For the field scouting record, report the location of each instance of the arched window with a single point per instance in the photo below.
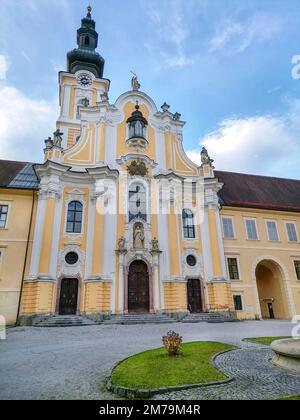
(188, 224)
(74, 218)
(137, 202)
(87, 41)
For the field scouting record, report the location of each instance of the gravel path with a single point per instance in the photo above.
(255, 379)
(71, 363)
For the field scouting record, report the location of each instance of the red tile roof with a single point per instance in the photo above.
(261, 192)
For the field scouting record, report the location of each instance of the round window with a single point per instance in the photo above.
(71, 258)
(191, 260)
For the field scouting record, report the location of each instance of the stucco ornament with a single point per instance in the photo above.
(137, 168)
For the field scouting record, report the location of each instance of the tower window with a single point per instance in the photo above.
(74, 219)
(87, 41)
(188, 224)
(137, 124)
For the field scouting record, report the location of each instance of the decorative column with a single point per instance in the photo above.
(155, 252)
(121, 253)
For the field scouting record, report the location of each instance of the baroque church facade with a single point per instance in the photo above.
(121, 221)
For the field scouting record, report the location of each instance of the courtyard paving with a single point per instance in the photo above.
(71, 363)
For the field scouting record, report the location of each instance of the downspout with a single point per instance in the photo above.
(26, 255)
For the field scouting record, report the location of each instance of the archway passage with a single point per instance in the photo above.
(194, 296)
(68, 297)
(270, 286)
(138, 288)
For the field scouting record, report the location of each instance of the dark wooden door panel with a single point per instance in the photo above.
(68, 297)
(138, 287)
(194, 296)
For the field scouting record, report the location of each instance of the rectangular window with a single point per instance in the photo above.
(297, 268)
(251, 229)
(228, 228)
(233, 268)
(3, 216)
(291, 231)
(238, 304)
(272, 231)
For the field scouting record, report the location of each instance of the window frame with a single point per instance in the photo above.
(238, 267)
(242, 301)
(188, 238)
(267, 229)
(296, 272)
(291, 222)
(8, 205)
(233, 227)
(252, 219)
(67, 233)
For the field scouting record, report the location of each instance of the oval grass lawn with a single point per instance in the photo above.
(156, 369)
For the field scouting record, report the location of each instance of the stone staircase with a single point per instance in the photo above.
(134, 319)
(63, 321)
(211, 317)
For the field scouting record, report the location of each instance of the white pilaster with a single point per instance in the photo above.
(38, 236)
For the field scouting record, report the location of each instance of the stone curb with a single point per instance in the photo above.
(135, 393)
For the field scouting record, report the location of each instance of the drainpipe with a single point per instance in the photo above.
(26, 255)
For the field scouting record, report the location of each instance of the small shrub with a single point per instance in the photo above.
(172, 342)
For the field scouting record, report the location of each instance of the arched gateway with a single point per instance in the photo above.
(138, 287)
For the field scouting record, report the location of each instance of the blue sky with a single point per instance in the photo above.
(225, 65)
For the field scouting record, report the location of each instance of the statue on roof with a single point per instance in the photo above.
(205, 158)
(134, 82)
(57, 138)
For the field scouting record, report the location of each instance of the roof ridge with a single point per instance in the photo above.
(258, 176)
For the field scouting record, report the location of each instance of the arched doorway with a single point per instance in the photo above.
(138, 287)
(68, 297)
(271, 292)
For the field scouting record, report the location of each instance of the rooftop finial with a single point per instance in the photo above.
(89, 10)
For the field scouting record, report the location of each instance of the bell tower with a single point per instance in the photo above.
(85, 56)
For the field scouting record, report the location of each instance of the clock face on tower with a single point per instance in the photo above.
(84, 79)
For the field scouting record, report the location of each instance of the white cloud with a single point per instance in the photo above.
(24, 124)
(264, 145)
(171, 29)
(4, 65)
(234, 37)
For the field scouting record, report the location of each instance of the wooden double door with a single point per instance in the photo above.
(138, 288)
(194, 296)
(68, 297)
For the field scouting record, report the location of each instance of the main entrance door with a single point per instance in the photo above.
(194, 296)
(138, 287)
(68, 297)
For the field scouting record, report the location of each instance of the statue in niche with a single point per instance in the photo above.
(138, 236)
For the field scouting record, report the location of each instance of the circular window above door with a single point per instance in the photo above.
(71, 258)
(191, 260)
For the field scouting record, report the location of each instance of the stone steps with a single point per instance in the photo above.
(63, 321)
(134, 319)
(210, 317)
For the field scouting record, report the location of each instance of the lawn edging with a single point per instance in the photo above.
(136, 393)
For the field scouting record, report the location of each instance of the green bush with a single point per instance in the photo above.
(173, 343)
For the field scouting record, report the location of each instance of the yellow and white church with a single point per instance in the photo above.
(117, 220)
